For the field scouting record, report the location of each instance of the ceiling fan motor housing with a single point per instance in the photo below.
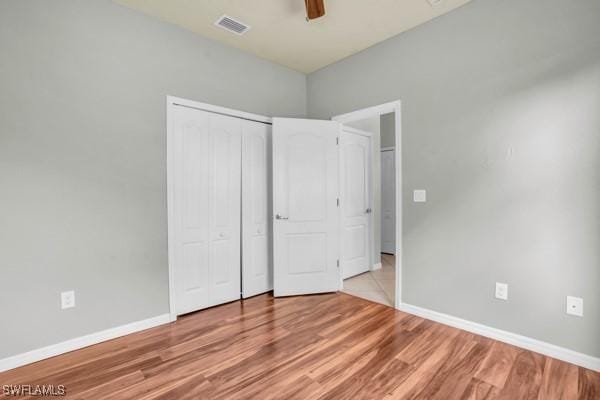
(314, 9)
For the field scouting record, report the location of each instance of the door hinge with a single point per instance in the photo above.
(337, 140)
(338, 263)
(338, 201)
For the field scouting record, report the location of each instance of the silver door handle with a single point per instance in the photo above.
(368, 211)
(279, 216)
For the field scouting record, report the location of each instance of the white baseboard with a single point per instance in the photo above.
(547, 349)
(376, 267)
(80, 342)
(525, 342)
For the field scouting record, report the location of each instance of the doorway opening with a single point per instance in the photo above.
(379, 278)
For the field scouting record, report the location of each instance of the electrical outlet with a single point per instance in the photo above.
(575, 306)
(67, 299)
(501, 291)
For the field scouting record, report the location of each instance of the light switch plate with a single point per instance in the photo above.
(575, 306)
(420, 196)
(501, 291)
(67, 299)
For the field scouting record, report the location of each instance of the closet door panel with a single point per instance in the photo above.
(257, 267)
(191, 137)
(205, 238)
(225, 192)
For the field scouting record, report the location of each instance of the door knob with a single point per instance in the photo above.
(368, 211)
(279, 216)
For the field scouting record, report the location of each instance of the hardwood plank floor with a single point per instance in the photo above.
(332, 346)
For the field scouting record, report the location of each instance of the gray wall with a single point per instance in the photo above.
(82, 157)
(501, 125)
(388, 130)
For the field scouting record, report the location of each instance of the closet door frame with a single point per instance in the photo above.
(172, 103)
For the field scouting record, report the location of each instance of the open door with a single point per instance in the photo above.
(355, 201)
(305, 206)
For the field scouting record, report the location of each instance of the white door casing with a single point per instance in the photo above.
(257, 260)
(388, 202)
(205, 156)
(355, 201)
(379, 110)
(305, 192)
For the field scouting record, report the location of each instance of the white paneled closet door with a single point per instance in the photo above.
(257, 261)
(205, 151)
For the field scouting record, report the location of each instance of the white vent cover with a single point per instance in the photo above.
(232, 25)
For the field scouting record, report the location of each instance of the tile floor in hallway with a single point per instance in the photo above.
(375, 285)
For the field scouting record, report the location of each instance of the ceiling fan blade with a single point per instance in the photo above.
(314, 8)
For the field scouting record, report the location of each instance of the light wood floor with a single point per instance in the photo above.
(378, 286)
(333, 346)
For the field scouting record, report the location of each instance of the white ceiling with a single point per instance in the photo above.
(280, 32)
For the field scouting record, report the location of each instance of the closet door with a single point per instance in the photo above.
(257, 262)
(205, 158)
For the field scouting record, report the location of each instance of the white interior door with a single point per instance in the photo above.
(355, 201)
(205, 151)
(257, 261)
(388, 202)
(305, 192)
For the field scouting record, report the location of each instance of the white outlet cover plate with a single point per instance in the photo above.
(67, 299)
(501, 291)
(575, 306)
(420, 196)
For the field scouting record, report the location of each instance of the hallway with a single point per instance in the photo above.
(377, 286)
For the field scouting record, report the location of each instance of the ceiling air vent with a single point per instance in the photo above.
(232, 25)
